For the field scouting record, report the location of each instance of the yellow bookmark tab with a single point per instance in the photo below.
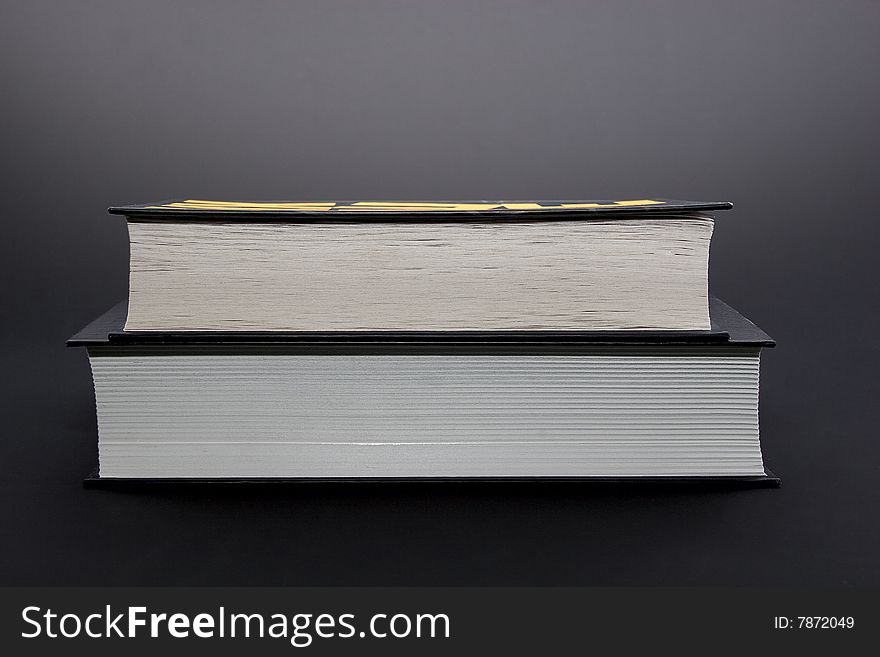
(229, 205)
(260, 205)
(413, 206)
(615, 204)
(642, 202)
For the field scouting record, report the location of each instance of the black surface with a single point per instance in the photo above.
(156, 211)
(728, 327)
(767, 104)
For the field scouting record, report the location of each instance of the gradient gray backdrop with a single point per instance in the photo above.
(773, 105)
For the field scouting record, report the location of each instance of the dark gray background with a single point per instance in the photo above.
(773, 105)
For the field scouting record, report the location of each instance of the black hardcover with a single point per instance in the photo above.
(383, 211)
(728, 328)
(767, 480)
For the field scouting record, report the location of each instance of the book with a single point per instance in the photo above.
(227, 266)
(434, 405)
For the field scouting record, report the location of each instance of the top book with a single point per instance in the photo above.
(407, 266)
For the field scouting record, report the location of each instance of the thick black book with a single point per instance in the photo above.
(206, 266)
(600, 407)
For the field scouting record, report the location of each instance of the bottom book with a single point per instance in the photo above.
(375, 406)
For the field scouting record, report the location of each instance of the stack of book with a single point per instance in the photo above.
(569, 339)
